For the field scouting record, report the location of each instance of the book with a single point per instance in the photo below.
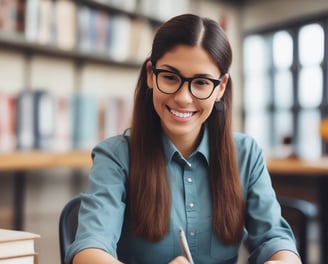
(66, 16)
(25, 120)
(35, 119)
(117, 115)
(11, 14)
(99, 30)
(85, 120)
(27, 259)
(14, 243)
(119, 38)
(44, 122)
(140, 40)
(45, 25)
(84, 28)
(7, 122)
(111, 117)
(31, 19)
(100, 21)
(63, 125)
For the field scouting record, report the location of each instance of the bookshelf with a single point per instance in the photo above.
(32, 44)
(18, 40)
(56, 30)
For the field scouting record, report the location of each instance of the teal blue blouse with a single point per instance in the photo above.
(103, 225)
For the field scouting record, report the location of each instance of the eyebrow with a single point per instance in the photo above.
(173, 69)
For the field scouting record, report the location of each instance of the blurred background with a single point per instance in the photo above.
(68, 70)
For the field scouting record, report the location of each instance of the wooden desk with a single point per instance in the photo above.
(20, 162)
(299, 167)
(314, 173)
(35, 160)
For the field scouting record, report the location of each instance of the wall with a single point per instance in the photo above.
(261, 14)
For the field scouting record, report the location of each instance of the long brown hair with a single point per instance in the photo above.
(149, 191)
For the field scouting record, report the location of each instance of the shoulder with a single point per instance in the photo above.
(115, 148)
(245, 143)
(251, 161)
(114, 142)
(249, 153)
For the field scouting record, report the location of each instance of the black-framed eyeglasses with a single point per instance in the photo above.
(169, 82)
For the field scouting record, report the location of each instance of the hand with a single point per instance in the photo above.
(275, 262)
(180, 260)
(284, 257)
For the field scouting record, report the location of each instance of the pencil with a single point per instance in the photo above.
(184, 246)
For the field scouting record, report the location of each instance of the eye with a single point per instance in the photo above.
(170, 77)
(201, 82)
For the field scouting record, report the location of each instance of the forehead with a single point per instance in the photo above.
(189, 60)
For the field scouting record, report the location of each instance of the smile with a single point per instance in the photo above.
(180, 114)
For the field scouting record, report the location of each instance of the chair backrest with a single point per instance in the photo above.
(299, 214)
(67, 225)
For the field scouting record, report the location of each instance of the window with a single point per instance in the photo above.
(285, 92)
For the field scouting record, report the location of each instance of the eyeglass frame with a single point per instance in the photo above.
(215, 82)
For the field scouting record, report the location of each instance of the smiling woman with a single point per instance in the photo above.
(181, 166)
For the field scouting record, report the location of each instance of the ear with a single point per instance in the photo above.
(150, 75)
(222, 85)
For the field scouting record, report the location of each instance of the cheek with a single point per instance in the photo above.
(158, 99)
(208, 106)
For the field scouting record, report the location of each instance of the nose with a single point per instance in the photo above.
(183, 95)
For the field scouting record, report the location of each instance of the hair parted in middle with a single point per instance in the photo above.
(149, 189)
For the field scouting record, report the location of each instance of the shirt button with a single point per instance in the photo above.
(191, 205)
(191, 233)
(189, 180)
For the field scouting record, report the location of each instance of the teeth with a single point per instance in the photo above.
(181, 115)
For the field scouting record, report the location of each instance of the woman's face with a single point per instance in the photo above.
(181, 114)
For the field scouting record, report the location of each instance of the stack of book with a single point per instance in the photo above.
(17, 247)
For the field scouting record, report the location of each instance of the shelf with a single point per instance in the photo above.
(34, 160)
(18, 42)
(115, 9)
(298, 167)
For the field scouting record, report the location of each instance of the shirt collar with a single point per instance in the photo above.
(204, 145)
(203, 148)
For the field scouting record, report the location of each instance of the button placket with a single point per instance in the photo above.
(191, 207)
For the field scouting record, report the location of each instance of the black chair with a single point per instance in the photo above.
(299, 214)
(67, 225)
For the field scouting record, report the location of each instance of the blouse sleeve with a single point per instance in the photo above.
(267, 231)
(103, 205)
